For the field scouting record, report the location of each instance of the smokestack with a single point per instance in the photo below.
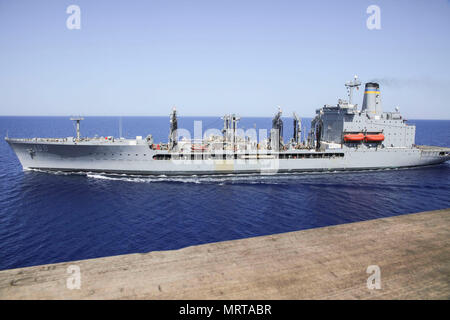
(372, 99)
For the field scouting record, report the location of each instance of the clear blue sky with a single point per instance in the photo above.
(220, 56)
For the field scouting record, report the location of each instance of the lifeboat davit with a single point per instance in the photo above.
(374, 137)
(353, 137)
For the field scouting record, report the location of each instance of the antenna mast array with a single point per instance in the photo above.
(350, 85)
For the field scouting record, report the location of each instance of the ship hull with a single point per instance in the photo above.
(140, 159)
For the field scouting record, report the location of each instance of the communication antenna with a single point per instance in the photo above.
(350, 85)
(77, 120)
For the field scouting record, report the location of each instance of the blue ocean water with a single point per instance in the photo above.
(48, 218)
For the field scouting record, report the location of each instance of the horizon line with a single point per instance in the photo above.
(180, 116)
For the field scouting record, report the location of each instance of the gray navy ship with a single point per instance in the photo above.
(342, 137)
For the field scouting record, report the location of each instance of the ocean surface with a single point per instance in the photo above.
(51, 217)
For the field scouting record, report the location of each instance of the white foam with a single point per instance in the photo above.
(222, 179)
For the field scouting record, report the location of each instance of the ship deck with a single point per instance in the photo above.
(71, 141)
(412, 252)
(128, 142)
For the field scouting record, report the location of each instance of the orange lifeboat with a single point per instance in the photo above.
(374, 137)
(353, 137)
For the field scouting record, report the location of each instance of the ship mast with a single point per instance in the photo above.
(350, 85)
(77, 120)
